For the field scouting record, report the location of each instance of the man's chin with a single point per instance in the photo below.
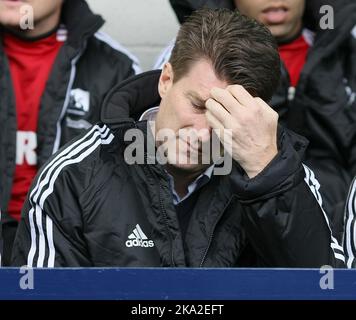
(187, 168)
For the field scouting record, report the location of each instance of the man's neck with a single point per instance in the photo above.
(182, 179)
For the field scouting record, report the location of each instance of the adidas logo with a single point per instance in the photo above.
(138, 239)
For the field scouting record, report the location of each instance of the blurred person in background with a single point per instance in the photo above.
(55, 69)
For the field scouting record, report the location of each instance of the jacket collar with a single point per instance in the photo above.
(127, 101)
(80, 21)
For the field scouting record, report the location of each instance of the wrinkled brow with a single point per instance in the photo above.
(195, 97)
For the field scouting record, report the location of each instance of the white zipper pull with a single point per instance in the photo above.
(291, 93)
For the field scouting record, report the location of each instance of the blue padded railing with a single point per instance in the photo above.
(178, 284)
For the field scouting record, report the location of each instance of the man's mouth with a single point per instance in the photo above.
(275, 14)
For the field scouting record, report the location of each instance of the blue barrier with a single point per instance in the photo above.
(178, 284)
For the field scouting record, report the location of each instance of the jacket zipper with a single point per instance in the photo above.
(163, 210)
(73, 71)
(212, 234)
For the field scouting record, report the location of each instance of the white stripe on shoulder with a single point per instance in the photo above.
(70, 155)
(41, 181)
(102, 36)
(350, 231)
(314, 186)
(46, 171)
(97, 139)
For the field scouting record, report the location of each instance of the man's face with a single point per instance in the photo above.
(182, 112)
(11, 11)
(282, 17)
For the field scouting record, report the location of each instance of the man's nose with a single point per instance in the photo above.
(202, 127)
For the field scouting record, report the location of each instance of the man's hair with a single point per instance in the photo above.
(241, 50)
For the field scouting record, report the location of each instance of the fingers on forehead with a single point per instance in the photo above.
(240, 94)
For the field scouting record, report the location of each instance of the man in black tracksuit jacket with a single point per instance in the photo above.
(89, 206)
(89, 62)
(322, 107)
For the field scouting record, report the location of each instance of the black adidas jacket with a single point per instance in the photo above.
(88, 207)
(90, 61)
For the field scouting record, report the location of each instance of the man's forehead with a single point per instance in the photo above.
(196, 96)
(203, 93)
(203, 77)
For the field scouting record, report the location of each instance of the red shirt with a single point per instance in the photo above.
(293, 55)
(30, 65)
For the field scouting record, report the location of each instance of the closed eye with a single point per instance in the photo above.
(196, 101)
(199, 107)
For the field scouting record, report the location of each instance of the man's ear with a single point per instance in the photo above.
(165, 80)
